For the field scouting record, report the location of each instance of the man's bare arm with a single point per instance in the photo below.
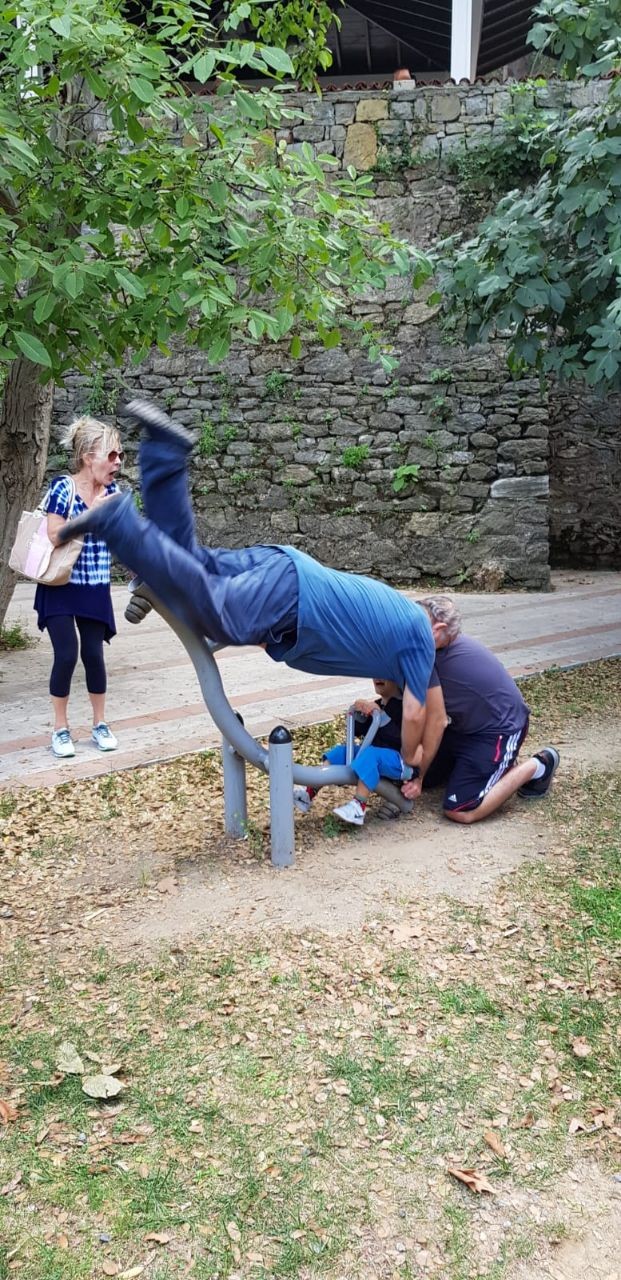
(412, 726)
(436, 721)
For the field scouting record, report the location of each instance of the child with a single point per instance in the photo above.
(382, 759)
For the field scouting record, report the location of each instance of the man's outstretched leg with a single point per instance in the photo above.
(165, 451)
(164, 454)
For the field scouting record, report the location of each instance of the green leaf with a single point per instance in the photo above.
(203, 66)
(130, 283)
(73, 282)
(32, 348)
(219, 349)
(278, 60)
(44, 306)
(62, 26)
(296, 347)
(142, 89)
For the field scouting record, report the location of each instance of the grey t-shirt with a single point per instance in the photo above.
(479, 694)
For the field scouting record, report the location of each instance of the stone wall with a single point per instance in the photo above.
(313, 451)
(585, 489)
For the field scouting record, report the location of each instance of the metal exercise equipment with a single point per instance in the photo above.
(239, 747)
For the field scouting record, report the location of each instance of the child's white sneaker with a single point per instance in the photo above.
(351, 812)
(302, 800)
(62, 745)
(103, 737)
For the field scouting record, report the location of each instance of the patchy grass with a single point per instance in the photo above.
(292, 1105)
(15, 636)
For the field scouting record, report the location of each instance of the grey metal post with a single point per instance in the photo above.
(235, 799)
(201, 652)
(281, 797)
(350, 739)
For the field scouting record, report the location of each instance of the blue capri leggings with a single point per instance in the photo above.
(62, 632)
(372, 764)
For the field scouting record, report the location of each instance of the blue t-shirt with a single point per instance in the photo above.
(92, 567)
(479, 694)
(354, 626)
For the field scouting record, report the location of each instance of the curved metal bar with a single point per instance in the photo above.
(201, 652)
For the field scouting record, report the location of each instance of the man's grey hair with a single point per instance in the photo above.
(443, 609)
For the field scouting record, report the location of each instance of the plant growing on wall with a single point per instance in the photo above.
(115, 238)
(545, 267)
(354, 455)
(407, 474)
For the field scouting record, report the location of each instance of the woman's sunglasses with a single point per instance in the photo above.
(114, 454)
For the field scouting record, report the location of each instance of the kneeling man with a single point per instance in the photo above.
(475, 724)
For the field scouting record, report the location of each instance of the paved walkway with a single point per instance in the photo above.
(155, 706)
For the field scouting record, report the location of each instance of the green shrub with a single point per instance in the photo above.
(355, 455)
(407, 474)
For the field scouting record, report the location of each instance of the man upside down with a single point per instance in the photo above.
(313, 618)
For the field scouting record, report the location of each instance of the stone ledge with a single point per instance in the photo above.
(521, 488)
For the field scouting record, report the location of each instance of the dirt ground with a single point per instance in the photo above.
(136, 894)
(340, 881)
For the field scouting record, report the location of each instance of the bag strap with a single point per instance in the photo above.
(73, 495)
(44, 503)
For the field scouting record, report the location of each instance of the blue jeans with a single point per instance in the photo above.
(245, 596)
(372, 764)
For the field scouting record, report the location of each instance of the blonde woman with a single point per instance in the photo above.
(84, 602)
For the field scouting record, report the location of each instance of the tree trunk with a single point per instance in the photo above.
(25, 418)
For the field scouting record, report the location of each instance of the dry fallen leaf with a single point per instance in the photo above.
(7, 1112)
(101, 1086)
(131, 1274)
(68, 1059)
(110, 1268)
(576, 1125)
(10, 1186)
(581, 1047)
(158, 1237)
(233, 1231)
(167, 885)
(473, 1179)
(494, 1142)
(526, 1122)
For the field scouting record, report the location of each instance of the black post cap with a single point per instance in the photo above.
(279, 735)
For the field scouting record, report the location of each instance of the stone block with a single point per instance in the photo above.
(423, 524)
(309, 133)
(475, 104)
(370, 109)
(332, 366)
(521, 450)
(344, 112)
(402, 110)
(360, 147)
(452, 142)
(521, 488)
(296, 475)
(445, 105)
(482, 440)
(285, 522)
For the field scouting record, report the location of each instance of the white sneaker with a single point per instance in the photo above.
(351, 812)
(103, 737)
(301, 800)
(62, 745)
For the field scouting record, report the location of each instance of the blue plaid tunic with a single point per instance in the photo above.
(87, 593)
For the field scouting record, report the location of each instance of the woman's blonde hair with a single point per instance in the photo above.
(89, 435)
